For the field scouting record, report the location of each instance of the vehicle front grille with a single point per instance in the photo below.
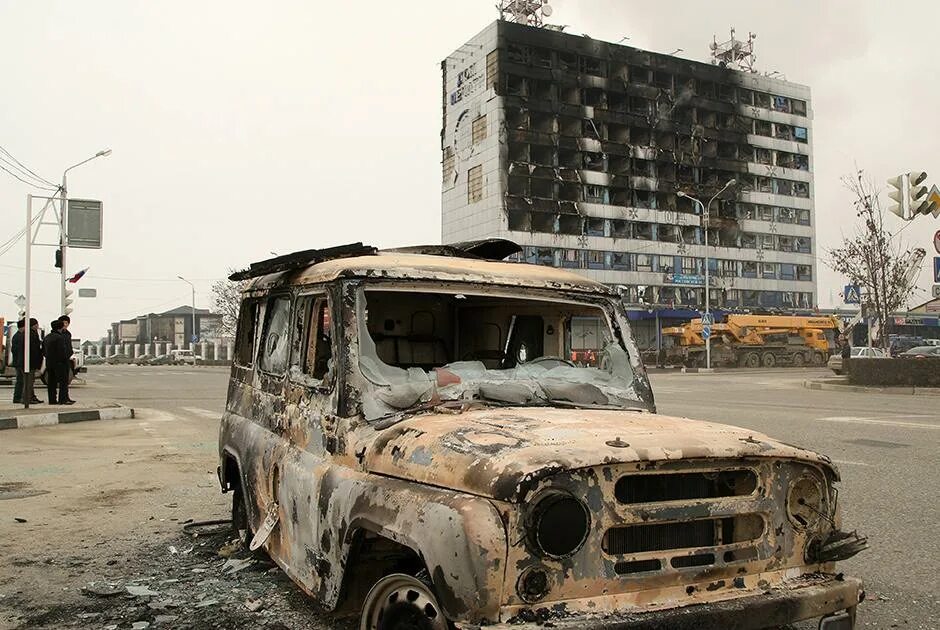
(632, 539)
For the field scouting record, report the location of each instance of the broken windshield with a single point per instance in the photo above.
(423, 349)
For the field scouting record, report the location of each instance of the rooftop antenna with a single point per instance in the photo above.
(528, 12)
(734, 53)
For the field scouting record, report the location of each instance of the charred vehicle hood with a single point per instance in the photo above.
(502, 453)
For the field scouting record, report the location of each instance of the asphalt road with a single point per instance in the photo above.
(94, 495)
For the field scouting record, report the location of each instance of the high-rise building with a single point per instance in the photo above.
(578, 150)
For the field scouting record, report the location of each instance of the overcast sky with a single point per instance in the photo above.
(241, 128)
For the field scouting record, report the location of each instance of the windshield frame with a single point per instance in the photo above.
(609, 305)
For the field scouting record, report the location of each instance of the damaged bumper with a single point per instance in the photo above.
(786, 603)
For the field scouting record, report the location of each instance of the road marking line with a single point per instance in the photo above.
(205, 413)
(889, 423)
(845, 461)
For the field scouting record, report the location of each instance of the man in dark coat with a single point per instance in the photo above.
(57, 350)
(18, 349)
(846, 354)
(66, 322)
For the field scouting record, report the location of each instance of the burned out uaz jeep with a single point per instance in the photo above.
(434, 438)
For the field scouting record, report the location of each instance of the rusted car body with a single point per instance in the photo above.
(413, 413)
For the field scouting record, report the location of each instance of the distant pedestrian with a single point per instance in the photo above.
(57, 350)
(846, 354)
(66, 323)
(18, 348)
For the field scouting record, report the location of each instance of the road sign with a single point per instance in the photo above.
(936, 290)
(20, 301)
(936, 269)
(852, 294)
(706, 331)
(708, 319)
(194, 338)
(936, 241)
(84, 223)
(88, 293)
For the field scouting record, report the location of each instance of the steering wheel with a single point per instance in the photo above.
(556, 359)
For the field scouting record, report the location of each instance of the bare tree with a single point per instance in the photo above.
(227, 296)
(872, 258)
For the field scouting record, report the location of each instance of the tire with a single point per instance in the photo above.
(750, 360)
(768, 360)
(798, 359)
(818, 359)
(402, 602)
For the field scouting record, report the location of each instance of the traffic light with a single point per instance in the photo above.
(67, 293)
(911, 197)
(58, 258)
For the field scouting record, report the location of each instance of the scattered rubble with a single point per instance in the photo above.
(210, 582)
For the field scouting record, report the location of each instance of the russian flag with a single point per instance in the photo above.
(78, 276)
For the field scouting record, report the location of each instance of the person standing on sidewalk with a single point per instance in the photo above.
(18, 346)
(57, 350)
(66, 322)
(846, 354)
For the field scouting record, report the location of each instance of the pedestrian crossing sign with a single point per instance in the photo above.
(852, 294)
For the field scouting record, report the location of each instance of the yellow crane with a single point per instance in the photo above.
(756, 340)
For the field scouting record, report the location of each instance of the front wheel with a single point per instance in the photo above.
(797, 360)
(818, 358)
(402, 602)
(769, 360)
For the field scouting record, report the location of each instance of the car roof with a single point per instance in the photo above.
(399, 265)
(923, 349)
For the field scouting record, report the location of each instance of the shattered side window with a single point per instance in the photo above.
(312, 346)
(246, 334)
(273, 353)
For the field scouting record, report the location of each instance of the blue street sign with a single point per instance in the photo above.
(194, 338)
(936, 268)
(708, 319)
(852, 294)
(706, 331)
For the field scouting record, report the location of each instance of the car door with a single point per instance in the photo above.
(308, 414)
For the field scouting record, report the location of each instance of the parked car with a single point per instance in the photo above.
(119, 359)
(932, 342)
(162, 359)
(406, 436)
(835, 361)
(921, 352)
(143, 359)
(185, 357)
(902, 343)
(94, 359)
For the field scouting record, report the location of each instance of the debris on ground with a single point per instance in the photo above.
(194, 589)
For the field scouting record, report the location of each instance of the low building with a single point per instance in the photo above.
(175, 326)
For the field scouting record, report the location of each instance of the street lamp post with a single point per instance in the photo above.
(706, 216)
(194, 309)
(63, 221)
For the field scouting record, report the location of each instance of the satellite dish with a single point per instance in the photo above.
(546, 10)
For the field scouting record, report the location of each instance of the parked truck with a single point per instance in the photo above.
(755, 341)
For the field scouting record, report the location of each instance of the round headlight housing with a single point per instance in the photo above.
(805, 501)
(558, 524)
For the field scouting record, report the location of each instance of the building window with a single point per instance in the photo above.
(595, 259)
(644, 262)
(787, 272)
(728, 268)
(479, 129)
(767, 241)
(620, 261)
(620, 228)
(596, 194)
(667, 264)
(475, 184)
(749, 269)
(798, 107)
(540, 256)
(804, 272)
(691, 266)
(800, 134)
(492, 76)
(447, 165)
(768, 271)
(800, 189)
(571, 258)
(803, 244)
(786, 215)
(595, 227)
(749, 241)
(803, 216)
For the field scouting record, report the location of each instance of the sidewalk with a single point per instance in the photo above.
(841, 384)
(41, 415)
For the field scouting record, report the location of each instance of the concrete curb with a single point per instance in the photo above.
(65, 417)
(839, 387)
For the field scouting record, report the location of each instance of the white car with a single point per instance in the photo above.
(185, 356)
(835, 361)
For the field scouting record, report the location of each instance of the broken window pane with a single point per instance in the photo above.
(273, 353)
(571, 258)
(595, 259)
(247, 332)
(475, 184)
(479, 129)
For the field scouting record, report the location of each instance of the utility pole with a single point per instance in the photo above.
(193, 287)
(63, 227)
(27, 393)
(706, 217)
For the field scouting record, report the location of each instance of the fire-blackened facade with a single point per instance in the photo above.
(577, 148)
